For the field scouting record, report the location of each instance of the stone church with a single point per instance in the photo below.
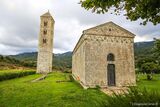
(44, 60)
(104, 56)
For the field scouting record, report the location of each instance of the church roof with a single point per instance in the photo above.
(102, 28)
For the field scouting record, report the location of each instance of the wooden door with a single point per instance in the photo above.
(111, 74)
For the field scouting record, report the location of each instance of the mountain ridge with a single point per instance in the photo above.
(64, 60)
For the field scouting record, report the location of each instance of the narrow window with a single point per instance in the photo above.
(44, 41)
(110, 57)
(45, 32)
(45, 23)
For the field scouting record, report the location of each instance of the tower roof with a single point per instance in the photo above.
(47, 14)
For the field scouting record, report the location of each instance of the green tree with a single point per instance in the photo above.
(149, 68)
(144, 60)
(1, 57)
(147, 10)
(157, 50)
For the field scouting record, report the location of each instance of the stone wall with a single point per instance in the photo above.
(44, 62)
(78, 63)
(97, 49)
(89, 61)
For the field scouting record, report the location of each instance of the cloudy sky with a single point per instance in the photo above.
(19, 24)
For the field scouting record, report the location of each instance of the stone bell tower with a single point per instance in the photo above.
(44, 60)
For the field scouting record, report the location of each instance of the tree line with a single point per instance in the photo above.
(150, 64)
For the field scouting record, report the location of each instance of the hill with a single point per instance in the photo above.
(143, 48)
(63, 61)
(7, 62)
(27, 56)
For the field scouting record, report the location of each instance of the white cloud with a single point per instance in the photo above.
(19, 25)
(139, 39)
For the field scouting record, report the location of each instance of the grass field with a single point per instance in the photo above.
(149, 84)
(21, 92)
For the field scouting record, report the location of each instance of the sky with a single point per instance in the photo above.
(20, 20)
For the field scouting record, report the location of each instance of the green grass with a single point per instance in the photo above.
(149, 84)
(21, 92)
(10, 74)
(147, 92)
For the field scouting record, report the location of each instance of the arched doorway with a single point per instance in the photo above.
(111, 70)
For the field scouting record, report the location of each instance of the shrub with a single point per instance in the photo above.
(15, 74)
(71, 79)
(98, 87)
(149, 77)
(135, 97)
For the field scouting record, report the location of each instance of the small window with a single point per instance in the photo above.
(45, 32)
(45, 23)
(109, 29)
(110, 57)
(44, 41)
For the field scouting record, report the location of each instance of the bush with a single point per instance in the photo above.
(149, 77)
(98, 87)
(150, 67)
(71, 79)
(135, 97)
(15, 74)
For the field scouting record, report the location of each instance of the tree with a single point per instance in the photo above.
(157, 50)
(143, 60)
(157, 45)
(1, 57)
(149, 68)
(147, 10)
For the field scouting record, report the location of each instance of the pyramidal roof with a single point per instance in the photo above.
(47, 14)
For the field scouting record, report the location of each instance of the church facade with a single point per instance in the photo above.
(104, 56)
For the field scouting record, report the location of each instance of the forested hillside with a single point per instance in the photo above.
(64, 61)
(7, 62)
(143, 48)
(60, 61)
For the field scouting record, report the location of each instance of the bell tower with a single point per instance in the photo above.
(45, 46)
